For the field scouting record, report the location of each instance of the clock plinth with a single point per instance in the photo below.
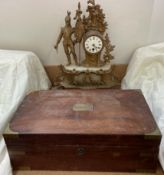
(88, 77)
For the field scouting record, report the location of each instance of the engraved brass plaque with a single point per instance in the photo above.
(83, 107)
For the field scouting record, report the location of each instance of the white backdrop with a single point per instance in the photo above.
(35, 24)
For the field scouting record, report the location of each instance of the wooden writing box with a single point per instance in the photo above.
(85, 130)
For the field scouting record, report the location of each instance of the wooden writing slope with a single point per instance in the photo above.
(86, 130)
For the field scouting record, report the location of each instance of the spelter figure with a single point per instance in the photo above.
(66, 34)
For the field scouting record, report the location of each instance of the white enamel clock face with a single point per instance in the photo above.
(93, 44)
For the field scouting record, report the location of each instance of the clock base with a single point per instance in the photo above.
(88, 77)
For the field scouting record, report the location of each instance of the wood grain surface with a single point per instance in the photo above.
(114, 112)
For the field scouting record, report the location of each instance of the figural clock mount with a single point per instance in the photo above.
(88, 49)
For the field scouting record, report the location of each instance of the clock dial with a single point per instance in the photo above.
(93, 44)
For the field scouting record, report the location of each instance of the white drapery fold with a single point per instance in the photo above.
(21, 73)
(146, 72)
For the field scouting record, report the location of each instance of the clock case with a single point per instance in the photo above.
(93, 59)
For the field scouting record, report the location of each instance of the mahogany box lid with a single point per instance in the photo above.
(88, 112)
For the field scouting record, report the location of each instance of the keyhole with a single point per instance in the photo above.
(81, 151)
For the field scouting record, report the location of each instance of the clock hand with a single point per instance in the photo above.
(94, 46)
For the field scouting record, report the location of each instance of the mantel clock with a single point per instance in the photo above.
(89, 45)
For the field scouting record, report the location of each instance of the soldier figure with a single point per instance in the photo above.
(66, 34)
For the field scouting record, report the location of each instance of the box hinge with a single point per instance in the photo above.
(156, 134)
(9, 132)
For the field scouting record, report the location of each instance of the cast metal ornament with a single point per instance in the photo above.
(89, 45)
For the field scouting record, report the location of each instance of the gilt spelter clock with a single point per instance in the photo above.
(87, 47)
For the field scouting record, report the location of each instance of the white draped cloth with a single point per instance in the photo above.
(21, 72)
(146, 72)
